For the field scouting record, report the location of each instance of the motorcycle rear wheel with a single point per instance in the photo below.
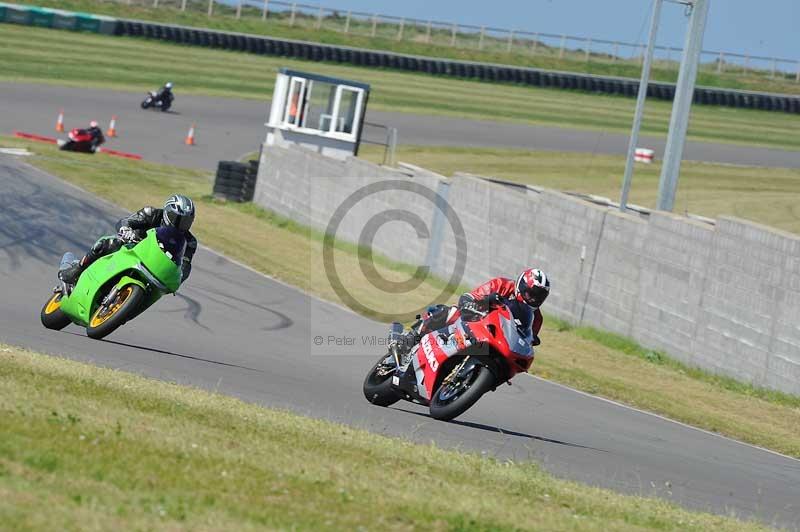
(106, 319)
(454, 397)
(378, 388)
(52, 316)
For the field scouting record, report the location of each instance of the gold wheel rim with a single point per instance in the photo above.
(102, 314)
(54, 304)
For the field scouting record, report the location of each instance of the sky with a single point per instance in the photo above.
(759, 27)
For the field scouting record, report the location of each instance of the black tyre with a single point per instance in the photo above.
(456, 395)
(145, 104)
(378, 383)
(106, 319)
(52, 315)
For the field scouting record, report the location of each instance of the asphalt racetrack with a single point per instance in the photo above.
(228, 128)
(238, 332)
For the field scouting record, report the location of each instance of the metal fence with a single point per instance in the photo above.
(561, 47)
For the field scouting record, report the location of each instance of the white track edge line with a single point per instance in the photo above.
(659, 416)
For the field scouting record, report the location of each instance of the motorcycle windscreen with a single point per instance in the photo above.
(172, 242)
(520, 344)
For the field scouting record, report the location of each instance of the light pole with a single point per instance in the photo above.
(681, 108)
(637, 119)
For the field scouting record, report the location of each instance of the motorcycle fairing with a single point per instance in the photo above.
(84, 298)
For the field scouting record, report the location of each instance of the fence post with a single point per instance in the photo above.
(210, 7)
(155, 3)
(720, 61)
(428, 32)
(510, 41)
(265, 11)
(239, 10)
(183, 5)
(293, 14)
(400, 30)
(454, 30)
(797, 77)
(746, 62)
(347, 22)
(480, 39)
(615, 53)
(320, 14)
(641, 54)
(374, 25)
(588, 50)
(535, 44)
(774, 67)
(563, 45)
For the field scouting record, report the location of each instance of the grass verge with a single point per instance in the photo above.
(495, 50)
(59, 57)
(763, 195)
(108, 450)
(595, 362)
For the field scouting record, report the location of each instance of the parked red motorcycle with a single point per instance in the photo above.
(485, 349)
(81, 140)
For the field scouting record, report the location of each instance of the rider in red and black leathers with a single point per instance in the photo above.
(506, 290)
(523, 298)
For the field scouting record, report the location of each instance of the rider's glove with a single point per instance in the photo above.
(492, 300)
(470, 306)
(536, 340)
(127, 234)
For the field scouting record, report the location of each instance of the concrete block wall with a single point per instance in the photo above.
(725, 298)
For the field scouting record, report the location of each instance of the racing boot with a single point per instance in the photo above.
(72, 273)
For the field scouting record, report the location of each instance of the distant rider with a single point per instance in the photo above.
(178, 212)
(164, 94)
(97, 135)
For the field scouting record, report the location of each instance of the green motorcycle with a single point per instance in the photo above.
(118, 287)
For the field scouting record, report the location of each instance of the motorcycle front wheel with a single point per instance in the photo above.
(378, 383)
(107, 318)
(52, 316)
(460, 391)
(146, 103)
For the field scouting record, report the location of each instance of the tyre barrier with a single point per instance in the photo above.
(235, 181)
(263, 45)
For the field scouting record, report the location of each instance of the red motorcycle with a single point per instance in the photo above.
(484, 349)
(80, 140)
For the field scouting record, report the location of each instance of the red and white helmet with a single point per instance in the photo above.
(533, 287)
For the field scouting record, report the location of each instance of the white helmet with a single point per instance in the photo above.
(168, 84)
(93, 123)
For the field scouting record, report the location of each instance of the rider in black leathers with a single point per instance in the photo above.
(178, 212)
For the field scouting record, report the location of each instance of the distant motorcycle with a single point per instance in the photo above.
(80, 140)
(486, 349)
(156, 100)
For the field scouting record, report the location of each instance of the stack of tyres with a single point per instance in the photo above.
(236, 181)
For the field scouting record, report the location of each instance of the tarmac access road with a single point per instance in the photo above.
(228, 128)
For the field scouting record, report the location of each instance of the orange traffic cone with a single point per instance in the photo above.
(190, 137)
(60, 121)
(112, 127)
